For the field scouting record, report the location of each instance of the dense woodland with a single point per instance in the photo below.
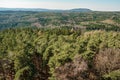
(59, 46)
(108, 21)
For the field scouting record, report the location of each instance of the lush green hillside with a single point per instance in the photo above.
(59, 54)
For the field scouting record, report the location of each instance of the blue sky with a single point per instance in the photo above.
(100, 5)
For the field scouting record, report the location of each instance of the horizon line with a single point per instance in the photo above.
(59, 9)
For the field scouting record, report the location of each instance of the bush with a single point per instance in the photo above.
(107, 60)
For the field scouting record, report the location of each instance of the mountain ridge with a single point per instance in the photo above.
(46, 10)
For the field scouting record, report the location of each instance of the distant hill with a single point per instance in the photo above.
(45, 10)
(81, 10)
(23, 9)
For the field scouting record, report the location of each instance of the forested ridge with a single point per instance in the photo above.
(109, 21)
(63, 53)
(59, 45)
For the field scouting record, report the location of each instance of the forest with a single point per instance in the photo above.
(59, 45)
(109, 21)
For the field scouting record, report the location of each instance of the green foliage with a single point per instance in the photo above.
(114, 75)
(32, 49)
(24, 74)
(20, 46)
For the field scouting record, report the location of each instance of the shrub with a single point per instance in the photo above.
(107, 60)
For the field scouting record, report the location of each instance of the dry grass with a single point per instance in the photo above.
(108, 21)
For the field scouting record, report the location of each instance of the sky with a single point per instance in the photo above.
(98, 5)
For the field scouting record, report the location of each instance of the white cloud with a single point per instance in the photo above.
(51, 5)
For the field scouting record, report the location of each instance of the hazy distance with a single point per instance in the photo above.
(99, 5)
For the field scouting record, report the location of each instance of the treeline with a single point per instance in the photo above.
(102, 26)
(59, 54)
